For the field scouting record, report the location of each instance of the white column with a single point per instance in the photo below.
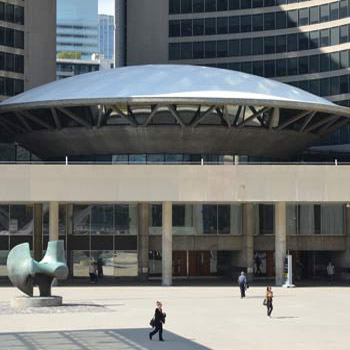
(53, 221)
(167, 244)
(143, 240)
(280, 241)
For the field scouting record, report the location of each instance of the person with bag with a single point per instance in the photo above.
(268, 301)
(157, 322)
(243, 284)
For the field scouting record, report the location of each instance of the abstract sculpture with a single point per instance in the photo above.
(24, 272)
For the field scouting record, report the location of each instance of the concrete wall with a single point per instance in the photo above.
(147, 31)
(176, 183)
(40, 42)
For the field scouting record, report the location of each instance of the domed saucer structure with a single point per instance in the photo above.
(167, 109)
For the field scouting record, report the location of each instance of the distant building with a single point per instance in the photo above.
(68, 67)
(23, 66)
(77, 28)
(106, 35)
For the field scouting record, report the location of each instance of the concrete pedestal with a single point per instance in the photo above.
(280, 241)
(24, 302)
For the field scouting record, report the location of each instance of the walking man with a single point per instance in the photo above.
(158, 320)
(242, 282)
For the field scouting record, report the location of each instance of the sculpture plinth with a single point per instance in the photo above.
(24, 272)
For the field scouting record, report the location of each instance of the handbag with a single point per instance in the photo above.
(265, 302)
(152, 323)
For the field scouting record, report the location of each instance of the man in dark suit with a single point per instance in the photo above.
(159, 319)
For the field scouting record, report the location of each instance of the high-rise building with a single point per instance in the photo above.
(106, 35)
(77, 28)
(27, 39)
(302, 43)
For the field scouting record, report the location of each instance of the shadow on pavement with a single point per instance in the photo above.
(121, 339)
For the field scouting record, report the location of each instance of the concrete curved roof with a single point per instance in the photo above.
(168, 82)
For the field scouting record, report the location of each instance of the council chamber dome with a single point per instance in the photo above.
(167, 109)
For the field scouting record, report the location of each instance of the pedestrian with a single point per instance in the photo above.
(257, 264)
(330, 272)
(157, 322)
(100, 268)
(242, 282)
(92, 272)
(268, 298)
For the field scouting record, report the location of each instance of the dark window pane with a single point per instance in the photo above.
(186, 51)
(210, 26)
(246, 47)
(324, 63)
(198, 27)
(9, 37)
(292, 64)
(198, 5)
(335, 86)
(10, 62)
(210, 219)
(269, 68)
(222, 25)
(222, 48)
(246, 4)
(281, 20)
(281, 67)
(269, 45)
(314, 63)
(210, 49)
(292, 18)
(224, 219)
(281, 43)
(303, 65)
(269, 21)
(269, 3)
(304, 85)
(222, 5)
(258, 47)
(234, 47)
(2, 11)
(19, 14)
(174, 51)
(233, 4)
(257, 3)
(174, 6)
(198, 50)
(303, 41)
(246, 23)
(174, 28)
(344, 84)
(258, 68)
(186, 27)
(266, 218)
(210, 5)
(234, 24)
(325, 87)
(334, 60)
(19, 39)
(9, 13)
(258, 23)
(344, 59)
(314, 86)
(156, 215)
(292, 42)
(179, 215)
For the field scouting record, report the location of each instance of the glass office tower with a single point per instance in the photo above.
(77, 28)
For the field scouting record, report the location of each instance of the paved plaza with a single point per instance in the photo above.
(198, 318)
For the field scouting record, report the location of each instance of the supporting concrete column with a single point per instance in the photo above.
(167, 244)
(280, 241)
(143, 240)
(198, 218)
(248, 238)
(38, 231)
(53, 221)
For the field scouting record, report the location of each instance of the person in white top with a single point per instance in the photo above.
(330, 272)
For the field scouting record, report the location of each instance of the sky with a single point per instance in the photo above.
(106, 7)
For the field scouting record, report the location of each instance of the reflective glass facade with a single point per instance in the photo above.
(302, 43)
